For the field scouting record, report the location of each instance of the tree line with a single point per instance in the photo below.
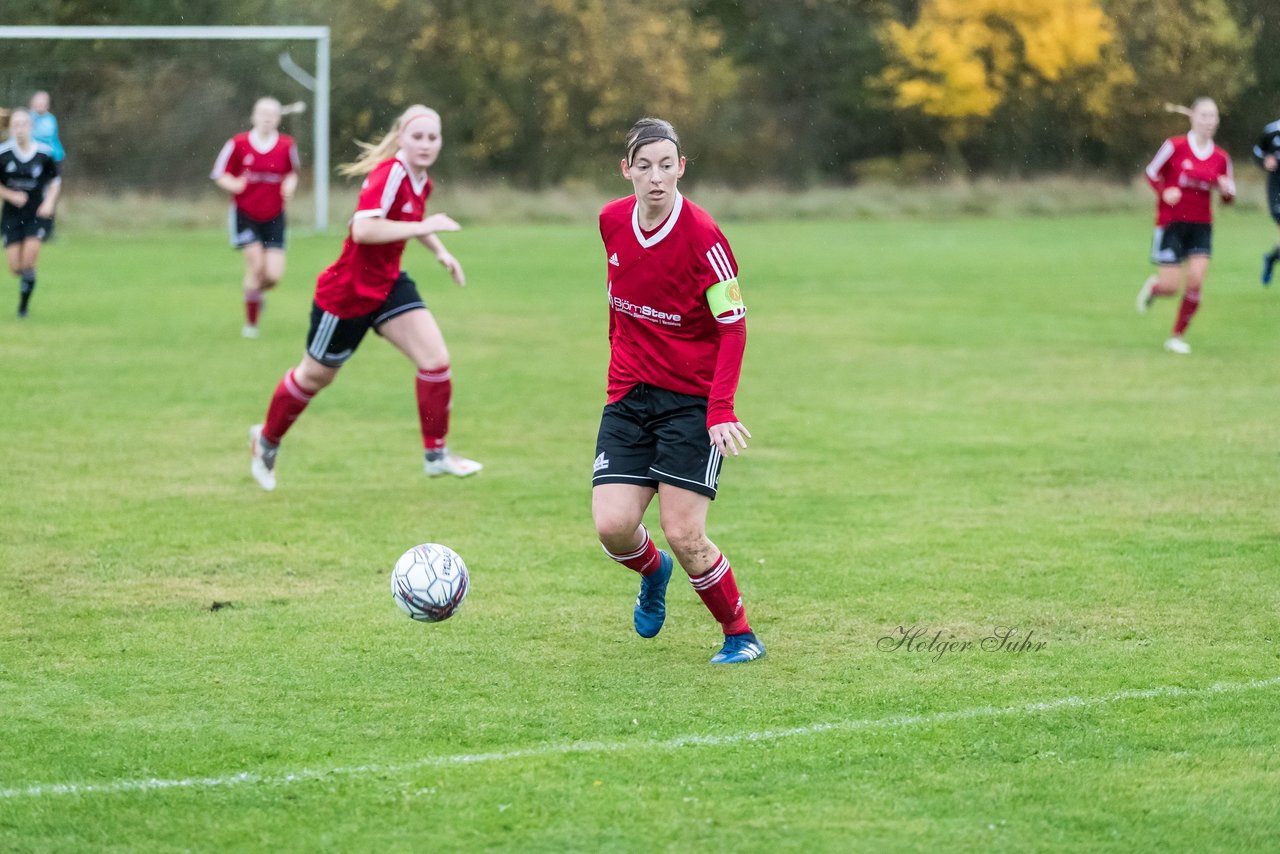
(763, 91)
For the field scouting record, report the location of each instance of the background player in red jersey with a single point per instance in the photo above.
(260, 171)
(677, 334)
(365, 288)
(1184, 173)
(29, 188)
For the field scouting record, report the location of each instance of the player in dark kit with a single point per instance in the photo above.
(29, 185)
(677, 334)
(1267, 155)
(1184, 174)
(366, 289)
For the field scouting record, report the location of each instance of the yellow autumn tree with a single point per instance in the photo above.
(962, 60)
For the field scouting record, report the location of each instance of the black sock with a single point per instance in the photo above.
(27, 286)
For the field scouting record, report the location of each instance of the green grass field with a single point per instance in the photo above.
(959, 425)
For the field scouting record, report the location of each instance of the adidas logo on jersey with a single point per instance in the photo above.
(602, 462)
(613, 259)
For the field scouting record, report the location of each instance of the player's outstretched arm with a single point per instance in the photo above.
(376, 229)
(445, 257)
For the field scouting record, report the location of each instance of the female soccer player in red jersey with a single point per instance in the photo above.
(1185, 172)
(260, 171)
(676, 334)
(366, 288)
(29, 188)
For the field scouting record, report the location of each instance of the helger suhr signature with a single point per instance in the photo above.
(922, 639)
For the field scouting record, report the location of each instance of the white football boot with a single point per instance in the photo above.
(263, 467)
(444, 461)
(1177, 345)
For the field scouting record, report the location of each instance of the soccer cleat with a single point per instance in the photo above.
(739, 648)
(651, 604)
(1177, 345)
(442, 462)
(22, 314)
(263, 467)
(1268, 263)
(1147, 294)
(248, 331)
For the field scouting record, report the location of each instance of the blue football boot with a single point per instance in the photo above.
(739, 648)
(1268, 263)
(651, 604)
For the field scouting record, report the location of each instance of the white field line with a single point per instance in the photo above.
(893, 722)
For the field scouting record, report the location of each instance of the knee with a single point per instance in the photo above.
(684, 536)
(313, 376)
(615, 529)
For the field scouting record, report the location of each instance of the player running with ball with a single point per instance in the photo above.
(677, 334)
(1184, 173)
(365, 288)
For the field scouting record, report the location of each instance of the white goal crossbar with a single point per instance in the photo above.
(320, 35)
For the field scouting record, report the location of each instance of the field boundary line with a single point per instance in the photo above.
(892, 722)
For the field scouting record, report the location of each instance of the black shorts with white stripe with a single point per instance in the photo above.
(655, 436)
(332, 340)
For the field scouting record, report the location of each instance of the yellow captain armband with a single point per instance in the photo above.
(725, 301)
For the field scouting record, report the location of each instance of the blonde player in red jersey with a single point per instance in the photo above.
(365, 288)
(259, 169)
(1184, 173)
(677, 334)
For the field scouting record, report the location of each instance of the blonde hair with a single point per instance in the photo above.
(374, 153)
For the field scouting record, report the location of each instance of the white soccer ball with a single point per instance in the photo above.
(429, 582)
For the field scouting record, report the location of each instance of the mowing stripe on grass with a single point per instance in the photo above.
(893, 722)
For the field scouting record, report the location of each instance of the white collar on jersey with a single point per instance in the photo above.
(23, 155)
(1200, 153)
(413, 179)
(263, 144)
(657, 236)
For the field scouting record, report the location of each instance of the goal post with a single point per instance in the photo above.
(320, 35)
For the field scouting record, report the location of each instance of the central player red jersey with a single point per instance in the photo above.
(1179, 164)
(361, 279)
(264, 169)
(661, 330)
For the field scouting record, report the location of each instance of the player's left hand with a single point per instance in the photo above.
(455, 269)
(729, 435)
(45, 210)
(1226, 187)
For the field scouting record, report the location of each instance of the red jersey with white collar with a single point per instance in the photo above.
(661, 330)
(263, 168)
(361, 279)
(1180, 164)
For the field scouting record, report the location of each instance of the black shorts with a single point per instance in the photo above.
(332, 339)
(655, 436)
(1177, 241)
(1273, 194)
(17, 226)
(245, 230)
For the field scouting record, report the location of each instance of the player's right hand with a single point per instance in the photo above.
(439, 222)
(1171, 196)
(18, 199)
(1269, 163)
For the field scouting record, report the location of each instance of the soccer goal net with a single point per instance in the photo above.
(144, 111)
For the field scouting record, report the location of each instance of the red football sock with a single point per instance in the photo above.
(1190, 302)
(252, 307)
(286, 405)
(435, 396)
(644, 560)
(719, 592)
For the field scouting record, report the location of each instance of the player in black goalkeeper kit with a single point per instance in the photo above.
(1266, 153)
(29, 186)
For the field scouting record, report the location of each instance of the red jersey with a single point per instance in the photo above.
(264, 168)
(361, 279)
(661, 330)
(1180, 164)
